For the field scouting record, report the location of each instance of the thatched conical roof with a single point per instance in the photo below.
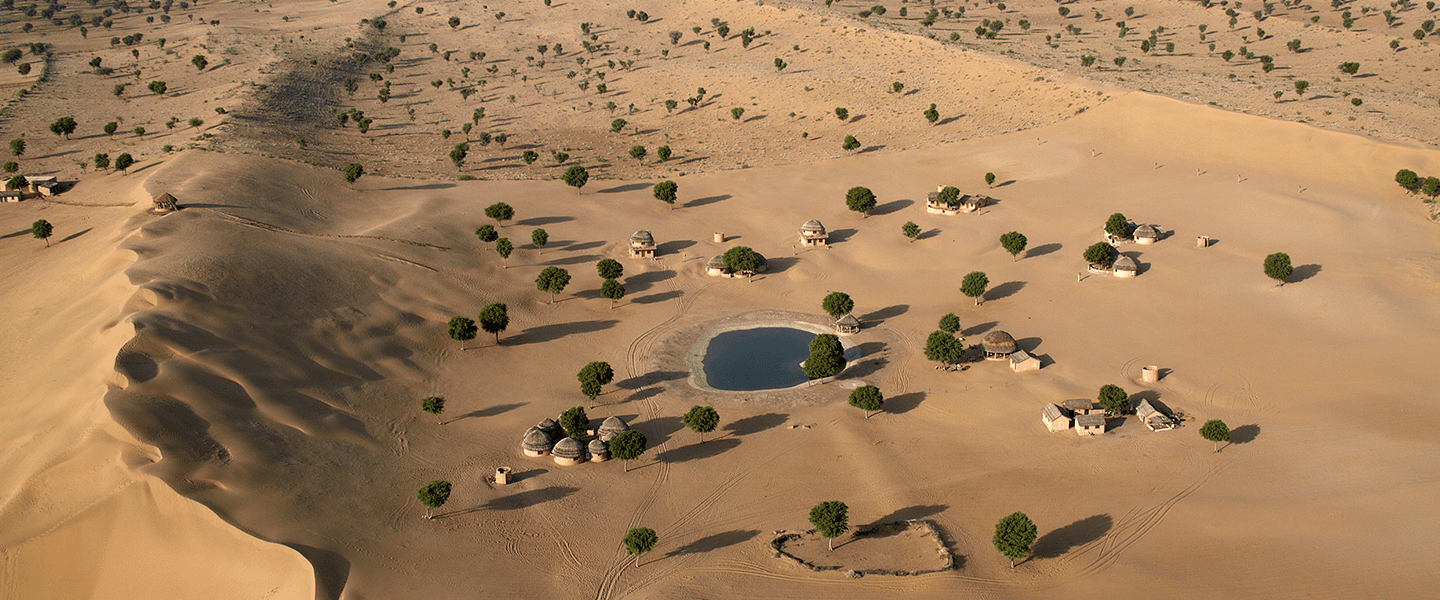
(848, 321)
(716, 263)
(611, 427)
(642, 237)
(599, 448)
(165, 198)
(999, 342)
(569, 448)
(551, 428)
(1125, 263)
(536, 440)
(1147, 231)
(812, 226)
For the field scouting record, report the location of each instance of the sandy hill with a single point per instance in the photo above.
(224, 401)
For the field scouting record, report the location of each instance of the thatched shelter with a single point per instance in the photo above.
(1153, 418)
(1125, 267)
(1021, 361)
(165, 204)
(998, 345)
(611, 427)
(536, 442)
(642, 245)
(847, 325)
(551, 428)
(1090, 424)
(812, 233)
(1079, 406)
(1054, 418)
(716, 267)
(568, 452)
(599, 452)
(1146, 234)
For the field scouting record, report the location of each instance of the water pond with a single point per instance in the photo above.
(764, 358)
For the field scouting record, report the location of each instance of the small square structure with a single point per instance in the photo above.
(1153, 418)
(1086, 425)
(1079, 406)
(812, 234)
(1055, 418)
(35, 181)
(642, 245)
(1021, 361)
(11, 196)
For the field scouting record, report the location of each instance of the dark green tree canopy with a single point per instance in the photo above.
(911, 230)
(432, 404)
(1100, 253)
(1118, 226)
(486, 233)
(867, 398)
(41, 229)
(503, 247)
(1114, 400)
(574, 422)
(576, 176)
(433, 495)
(1431, 187)
(1014, 536)
(627, 446)
(124, 161)
(837, 304)
(741, 259)
(701, 420)
(1405, 177)
(950, 195)
(860, 199)
(593, 376)
(950, 323)
(612, 290)
(539, 237)
(944, 347)
(353, 171)
(1014, 242)
(974, 285)
(16, 182)
(500, 211)
(462, 329)
(609, 268)
(666, 191)
(640, 540)
(553, 280)
(494, 318)
(63, 126)
(989, 179)
(827, 356)
(850, 143)
(1277, 267)
(1216, 431)
(831, 519)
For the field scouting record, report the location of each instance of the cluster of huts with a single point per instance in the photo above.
(43, 186)
(999, 345)
(964, 203)
(1089, 420)
(1126, 267)
(547, 438)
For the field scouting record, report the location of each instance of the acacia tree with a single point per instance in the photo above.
(501, 212)
(665, 191)
(41, 230)
(574, 421)
(486, 233)
(950, 323)
(593, 377)
(1014, 536)
(867, 398)
(352, 172)
(831, 519)
(860, 199)
(503, 247)
(1277, 267)
(850, 144)
(63, 126)
(973, 286)
(575, 177)
(433, 496)
(17, 146)
(539, 237)
(612, 290)
(1118, 226)
(827, 357)
(640, 540)
(1014, 243)
(1100, 253)
(462, 329)
(990, 179)
(494, 318)
(553, 280)
(701, 420)
(626, 446)
(433, 405)
(944, 347)
(837, 304)
(123, 162)
(741, 259)
(1114, 400)
(950, 195)
(911, 230)
(931, 114)
(1216, 431)
(1405, 177)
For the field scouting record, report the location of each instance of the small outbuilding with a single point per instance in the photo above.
(568, 451)
(1079, 406)
(11, 196)
(599, 452)
(1055, 418)
(1021, 361)
(934, 205)
(1147, 234)
(1153, 418)
(971, 204)
(812, 233)
(165, 204)
(1090, 424)
(35, 181)
(716, 267)
(642, 245)
(611, 427)
(847, 325)
(998, 345)
(1125, 267)
(536, 442)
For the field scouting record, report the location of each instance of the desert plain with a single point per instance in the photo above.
(224, 401)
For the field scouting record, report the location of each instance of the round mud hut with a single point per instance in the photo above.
(716, 267)
(642, 245)
(536, 442)
(611, 427)
(1146, 234)
(1126, 267)
(812, 233)
(599, 452)
(552, 429)
(998, 345)
(568, 452)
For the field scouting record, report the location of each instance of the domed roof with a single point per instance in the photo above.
(813, 225)
(998, 342)
(598, 447)
(611, 427)
(569, 448)
(1146, 231)
(1125, 263)
(536, 440)
(716, 263)
(642, 236)
(549, 426)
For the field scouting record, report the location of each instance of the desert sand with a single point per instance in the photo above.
(224, 401)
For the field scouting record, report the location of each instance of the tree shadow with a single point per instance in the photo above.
(875, 148)
(629, 187)
(649, 379)
(879, 316)
(659, 430)
(904, 403)
(1004, 290)
(755, 424)
(697, 450)
(716, 542)
(555, 331)
(919, 511)
(979, 329)
(644, 394)
(755, 118)
(572, 260)
(538, 221)
(1244, 434)
(656, 298)
(15, 234)
(519, 501)
(640, 282)
(489, 411)
(891, 207)
(428, 186)
(706, 200)
(928, 234)
(576, 247)
(1004, 183)
(839, 236)
(673, 247)
(948, 120)
(775, 266)
(1059, 541)
(1042, 250)
(1301, 273)
(75, 235)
